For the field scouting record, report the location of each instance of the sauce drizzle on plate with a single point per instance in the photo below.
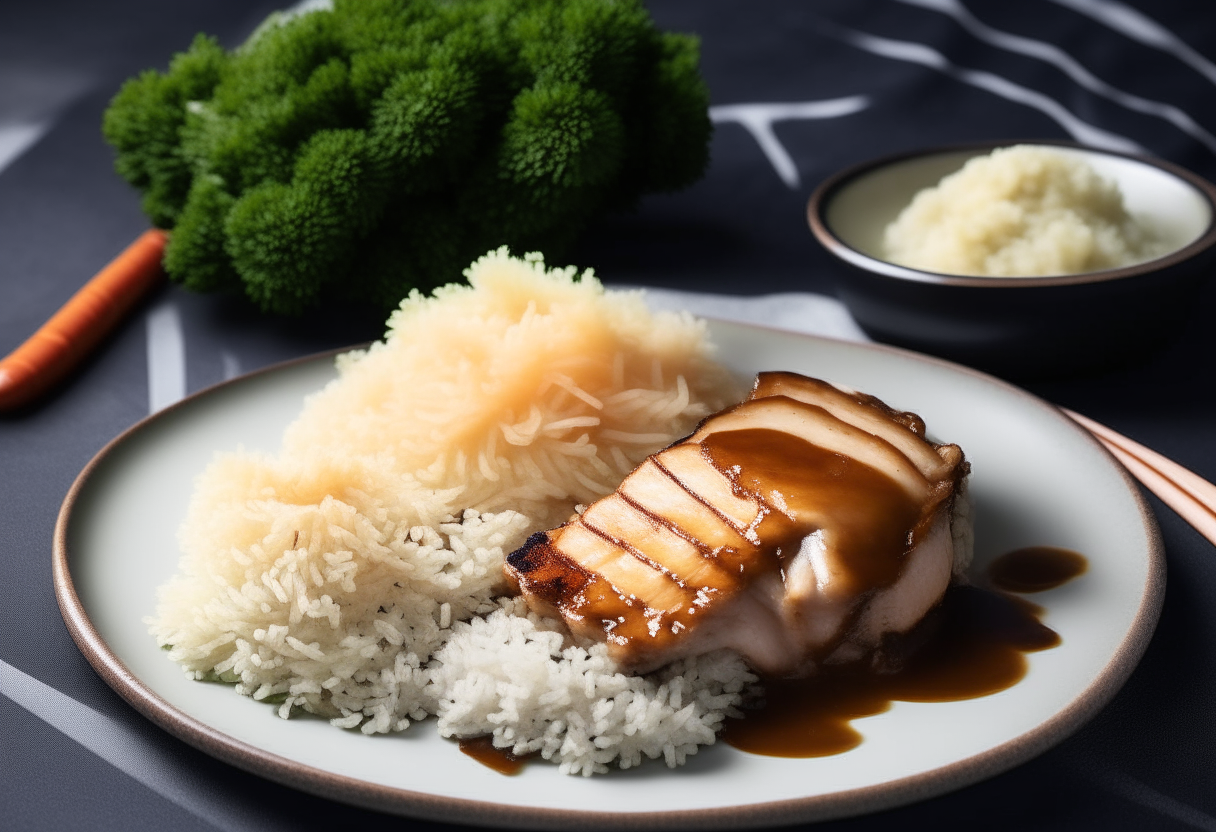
(974, 644)
(1036, 568)
(501, 760)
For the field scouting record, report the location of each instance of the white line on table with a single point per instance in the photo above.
(141, 756)
(918, 53)
(1120, 783)
(804, 312)
(15, 139)
(1070, 66)
(758, 119)
(1141, 28)
(166, 356)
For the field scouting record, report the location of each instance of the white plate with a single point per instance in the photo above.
(1037, 480)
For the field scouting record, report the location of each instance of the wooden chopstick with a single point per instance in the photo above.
(1187, 493)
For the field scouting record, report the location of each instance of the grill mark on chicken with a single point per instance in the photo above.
(659, 520)
(744, 529)
(592, 606)
(722, 567)
(906, 431)
(636, 578)
(651, 485)
(625, 546)
(816, 425)
(638, 531)
(865, 520)
(722, 538)
(686, 463)
(799, 512)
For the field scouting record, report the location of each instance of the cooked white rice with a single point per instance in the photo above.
(325, 577)
(1021, 211)
(514, 675)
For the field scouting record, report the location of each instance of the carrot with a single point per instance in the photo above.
(63, 341)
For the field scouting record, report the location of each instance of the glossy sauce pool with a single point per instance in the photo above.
(974, 644)
(483, 751)
(1036, 568)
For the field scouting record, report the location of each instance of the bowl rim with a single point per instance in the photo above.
(823, 194)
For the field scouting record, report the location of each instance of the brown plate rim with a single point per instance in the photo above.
(427, 806)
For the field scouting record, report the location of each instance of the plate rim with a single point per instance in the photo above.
(423, 805)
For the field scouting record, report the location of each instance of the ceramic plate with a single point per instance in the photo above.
(1037, 480)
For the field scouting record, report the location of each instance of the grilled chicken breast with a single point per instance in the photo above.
(799, 527)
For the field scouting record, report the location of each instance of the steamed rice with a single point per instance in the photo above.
(1021, 211)
(334, 577)
(513, 675)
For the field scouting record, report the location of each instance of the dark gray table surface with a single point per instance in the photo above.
(1142, 763)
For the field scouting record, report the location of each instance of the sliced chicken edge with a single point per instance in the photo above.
(817, 426)
(867, 413)
(593, 610)
(898, 608)
(632, 574)
(666, 498)
(649, 537)
(686, 463)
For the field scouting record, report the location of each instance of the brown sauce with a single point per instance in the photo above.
(483, 751)
(1035, 568)
(974, 644)
(864, 514)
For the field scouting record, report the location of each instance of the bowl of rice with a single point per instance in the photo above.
(1029, 260)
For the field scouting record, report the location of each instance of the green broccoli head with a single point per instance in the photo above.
(381, 146)
(144, 123)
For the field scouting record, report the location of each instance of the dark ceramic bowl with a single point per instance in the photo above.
(1018, 326)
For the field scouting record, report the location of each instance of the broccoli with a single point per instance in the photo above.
(361, 151)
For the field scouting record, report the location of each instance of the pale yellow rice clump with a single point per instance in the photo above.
(526, 389)
(324, 577)
(1020, 211)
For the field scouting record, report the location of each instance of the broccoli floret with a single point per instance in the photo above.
(145, 119)
(380, 146)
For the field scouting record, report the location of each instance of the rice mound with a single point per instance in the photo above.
(1020, 211)
(525, 389)
(513, 675)
(325, 577)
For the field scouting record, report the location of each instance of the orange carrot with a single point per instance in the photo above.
(51, 352)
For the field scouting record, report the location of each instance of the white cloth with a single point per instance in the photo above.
(805, 312)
